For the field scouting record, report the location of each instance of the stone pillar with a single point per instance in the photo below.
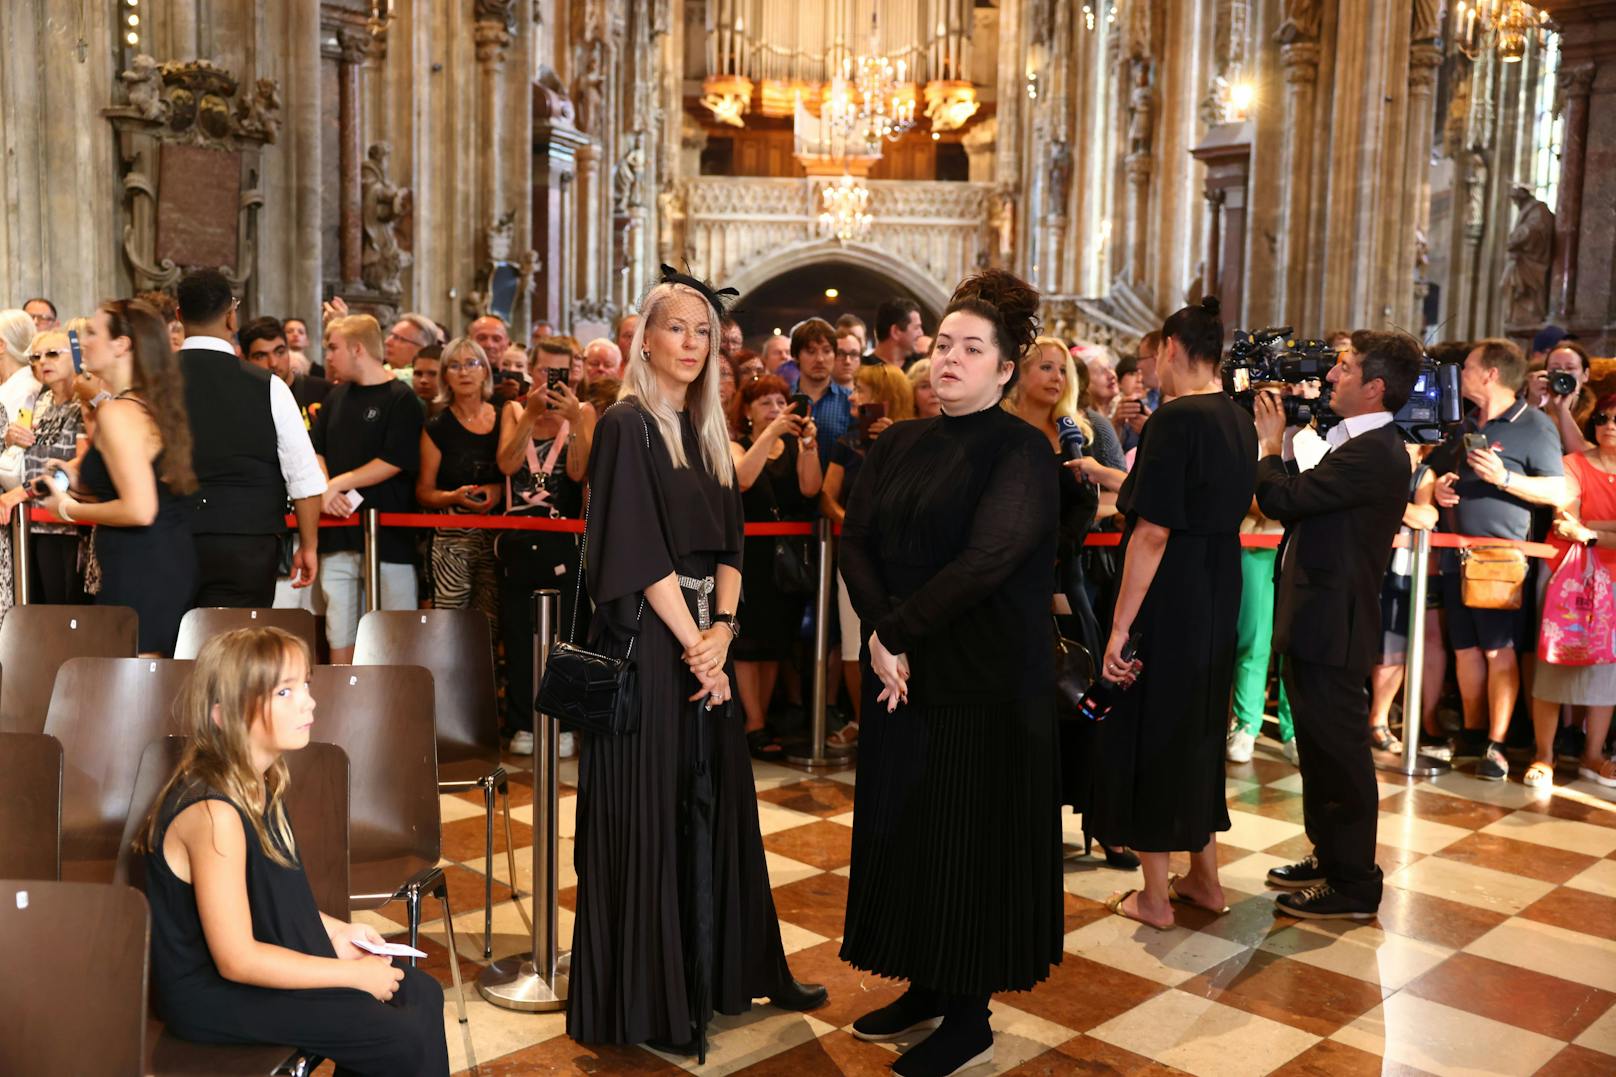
(1424, 60)
(1301, 71)
(493, 37)
(557, 146)
(1574, 86)
(1226, 153)
(353, 48)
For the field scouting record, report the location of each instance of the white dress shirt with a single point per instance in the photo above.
(299, 468)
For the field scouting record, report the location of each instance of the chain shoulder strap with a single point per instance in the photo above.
(583, 551)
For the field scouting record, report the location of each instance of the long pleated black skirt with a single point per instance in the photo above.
(631, 948)
(956, 872)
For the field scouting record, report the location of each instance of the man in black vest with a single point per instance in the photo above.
(250, 450)
(1340, 519)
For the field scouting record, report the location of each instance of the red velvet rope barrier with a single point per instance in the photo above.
(777, 530)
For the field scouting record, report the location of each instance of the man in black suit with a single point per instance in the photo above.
(1340, 519)
(251, 452)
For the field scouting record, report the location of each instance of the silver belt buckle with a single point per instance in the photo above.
(702, 588)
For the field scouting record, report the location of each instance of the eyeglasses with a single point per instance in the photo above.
(469, 364)
(411, 341)
(51, 353)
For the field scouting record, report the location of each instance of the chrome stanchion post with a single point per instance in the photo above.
(814, 752)
(1413, 763)
(373, 561)
(21, 554)
(536, 982)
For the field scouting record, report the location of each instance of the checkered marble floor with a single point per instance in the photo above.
(1494, 953)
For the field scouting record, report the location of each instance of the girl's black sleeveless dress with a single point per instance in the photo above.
(151, 569)
(357, 1032)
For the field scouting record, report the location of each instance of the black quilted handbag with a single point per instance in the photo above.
(586, 691)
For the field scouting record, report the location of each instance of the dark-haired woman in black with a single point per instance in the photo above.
(947, 549)
(1158, 783)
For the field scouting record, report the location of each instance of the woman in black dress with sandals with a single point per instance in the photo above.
(136, 479)
(778, 469)
(1158, 781)
(947, 550)
(663, 566)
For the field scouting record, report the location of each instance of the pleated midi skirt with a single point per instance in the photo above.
(956, 872)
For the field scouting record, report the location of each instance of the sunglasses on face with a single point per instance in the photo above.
(1601, 420)
(50, 353)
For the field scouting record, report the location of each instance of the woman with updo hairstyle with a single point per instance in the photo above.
(1158, 774)
(947, 549)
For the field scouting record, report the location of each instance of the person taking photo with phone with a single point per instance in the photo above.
(459, 475)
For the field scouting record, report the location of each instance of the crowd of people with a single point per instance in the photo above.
(966, 471)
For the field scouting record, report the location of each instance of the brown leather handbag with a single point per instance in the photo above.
(1492, 577)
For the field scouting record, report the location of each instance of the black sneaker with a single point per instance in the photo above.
(1322, 903)
(1305, 872)
(1493, 766)
(912, 1012)
(954, 1048)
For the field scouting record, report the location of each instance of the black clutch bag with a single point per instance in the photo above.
(586, 691)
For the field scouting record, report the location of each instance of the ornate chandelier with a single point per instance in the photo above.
(885, 100)
(1505, 24)
(845, 213)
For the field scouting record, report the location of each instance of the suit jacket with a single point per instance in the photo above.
(1340, 519)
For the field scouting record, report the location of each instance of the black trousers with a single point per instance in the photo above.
(1340, 801)
(54, 571)
(531, 561)
(236, 570)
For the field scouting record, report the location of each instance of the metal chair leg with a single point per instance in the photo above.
(488, 872)
(454, 970)
(412, 905)
(510, 858)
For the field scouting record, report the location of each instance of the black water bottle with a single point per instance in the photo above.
(1103, 695)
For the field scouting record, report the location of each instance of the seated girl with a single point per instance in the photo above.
(240, 952)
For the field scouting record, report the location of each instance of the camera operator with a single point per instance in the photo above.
(1340, 518)
(1560, 390)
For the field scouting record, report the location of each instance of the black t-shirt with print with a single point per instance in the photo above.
(361, 423)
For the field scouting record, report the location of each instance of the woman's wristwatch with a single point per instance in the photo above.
(728, 621)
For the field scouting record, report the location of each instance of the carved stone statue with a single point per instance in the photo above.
(1060, 177)
(1217, 104)
(589, 89)
(383, 205)
(1141, 107)
(1427, 24)
(260, 114)
(502, 12)
(144, 84)
(1301, 22)
(1529, 250)
(628, 190)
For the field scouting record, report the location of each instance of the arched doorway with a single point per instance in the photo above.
(782, 291)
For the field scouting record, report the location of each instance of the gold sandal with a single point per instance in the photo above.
(1174, 895)
(1114, 903)
(845, 737)
(1538, 776)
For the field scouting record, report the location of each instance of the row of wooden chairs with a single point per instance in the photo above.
(455, 645)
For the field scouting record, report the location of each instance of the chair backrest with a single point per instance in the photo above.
(316, 803)
(458, 649)
(36, 640)
(105, 711)
(30, 806)
(82, 1008)
(382, 717)
(203, 623)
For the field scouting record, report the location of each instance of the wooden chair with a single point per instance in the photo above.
(30, 806)
(105, 711)
(317, 803)
(382, 717)
(205, 622)
(76, 999)
(456, 646)
(36, 640)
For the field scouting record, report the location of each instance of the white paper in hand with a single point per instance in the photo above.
(387, 949)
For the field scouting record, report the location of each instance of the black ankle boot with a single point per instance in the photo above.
(800, 997)
(964, 1040)
(916, 1009)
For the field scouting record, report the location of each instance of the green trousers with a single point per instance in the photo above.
(1256, 637)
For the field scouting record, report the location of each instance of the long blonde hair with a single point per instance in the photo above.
(1067, 405)
(702, 398)
(237, 672)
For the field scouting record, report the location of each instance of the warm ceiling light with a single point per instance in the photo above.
(133, 39)
(1241, 95)
(728, 97)
(950, 103)
(831, 293)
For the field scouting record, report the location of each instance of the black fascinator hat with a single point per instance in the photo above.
(717, 297)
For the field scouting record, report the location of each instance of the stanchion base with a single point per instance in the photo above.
(515, 983)
(801, 753)
(1424, 766)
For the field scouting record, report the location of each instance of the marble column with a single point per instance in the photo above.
(493, 38)
(353, 49)
(556, 147)
(1575, 87)
(1424, 59)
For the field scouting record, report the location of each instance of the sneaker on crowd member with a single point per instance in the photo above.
(521, 743)
(1288, 750)
(1493, 766)
(1241, 745)
(1323, 902)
